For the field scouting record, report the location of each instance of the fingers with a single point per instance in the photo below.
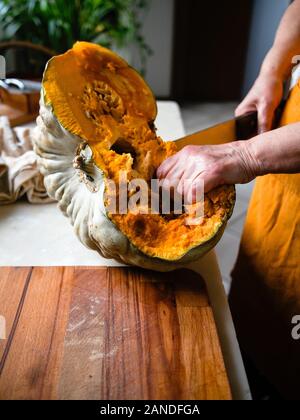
(167, 165)
(184, 188)
(169, 183)
(172, 178)
(192, 189)
(204, 183)
(244, 108)
(265, 115)
(175, 165)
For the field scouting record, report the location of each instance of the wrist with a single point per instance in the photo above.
(258, 155)
(273, 67)
(276, 151)
(272, 73)
(250, 157)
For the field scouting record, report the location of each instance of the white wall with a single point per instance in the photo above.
(265, 19)
(158, 31)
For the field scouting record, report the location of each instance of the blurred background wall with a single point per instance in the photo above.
(158, 31)
(211, 39)
(252, 27)
(266, 16)
(202, 50)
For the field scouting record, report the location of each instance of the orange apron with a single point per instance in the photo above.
(265, 292)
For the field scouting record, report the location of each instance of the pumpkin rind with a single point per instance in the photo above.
(59, 137)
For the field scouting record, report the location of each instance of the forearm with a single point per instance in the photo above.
(286, 44)
(238, 162)
(277, 151)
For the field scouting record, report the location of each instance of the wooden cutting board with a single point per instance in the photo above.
(108, 333)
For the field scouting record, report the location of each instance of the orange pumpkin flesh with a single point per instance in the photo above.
(95, 95)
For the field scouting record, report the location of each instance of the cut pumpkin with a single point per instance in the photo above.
(97, 98)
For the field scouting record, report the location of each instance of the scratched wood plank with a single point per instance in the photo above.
(114, 333)
(136, 334)
(205, 376)
(32, 364)
(12, 286)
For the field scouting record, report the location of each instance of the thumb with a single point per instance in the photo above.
(265, 114)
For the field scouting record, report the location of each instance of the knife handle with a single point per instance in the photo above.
(246, 126)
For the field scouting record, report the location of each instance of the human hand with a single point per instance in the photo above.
(230, 163)
(264, 97)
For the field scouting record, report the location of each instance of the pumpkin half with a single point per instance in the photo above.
(97, 122)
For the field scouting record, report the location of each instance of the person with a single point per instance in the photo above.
(265, 291)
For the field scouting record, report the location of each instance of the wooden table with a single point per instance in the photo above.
(108, 333)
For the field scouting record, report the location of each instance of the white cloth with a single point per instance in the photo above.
(19, 174)
(295, 76)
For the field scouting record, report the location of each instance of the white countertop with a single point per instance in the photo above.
(33, 235)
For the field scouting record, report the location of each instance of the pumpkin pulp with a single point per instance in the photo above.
(96, 96)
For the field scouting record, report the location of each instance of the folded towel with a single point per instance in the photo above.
(19, 173)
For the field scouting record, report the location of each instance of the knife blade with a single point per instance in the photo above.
(240, 128)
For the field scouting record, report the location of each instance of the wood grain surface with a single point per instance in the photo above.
(108, 333)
